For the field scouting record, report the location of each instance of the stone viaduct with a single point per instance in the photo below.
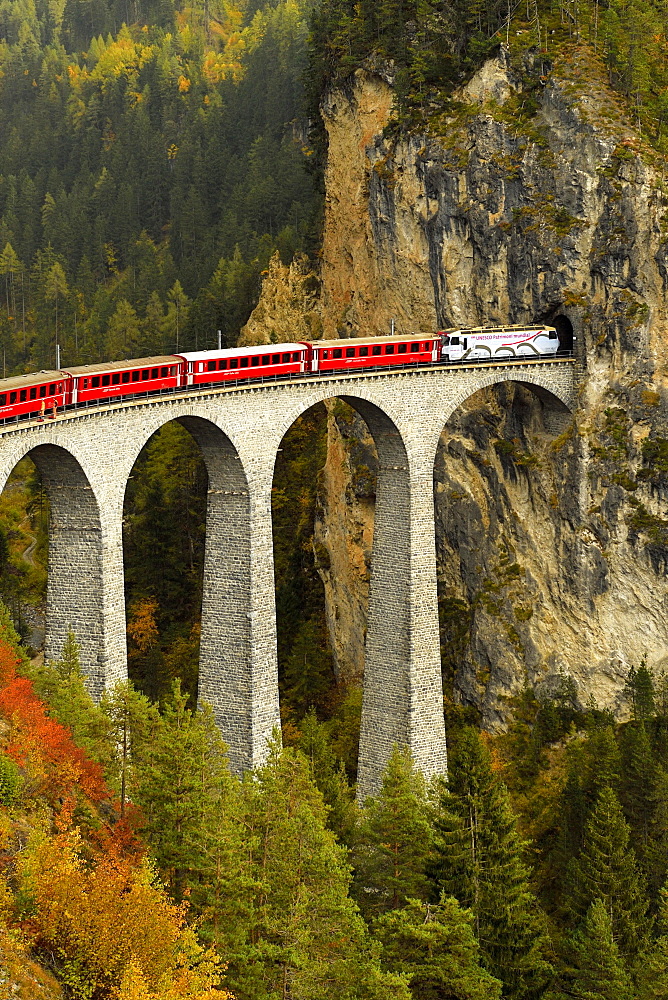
(85, 458)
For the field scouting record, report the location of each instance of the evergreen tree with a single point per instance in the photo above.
(637, 790)
(435, 945)
(598, 972)
(132, 721)
(478, 858)
(62, 685)
(329, 775)
(606, 869)
(394, 839)
(306, 939)
(652, 967)
(183, 768)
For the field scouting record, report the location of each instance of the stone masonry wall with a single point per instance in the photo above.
(86, 460)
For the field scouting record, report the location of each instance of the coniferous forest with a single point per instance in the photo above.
(154, 155)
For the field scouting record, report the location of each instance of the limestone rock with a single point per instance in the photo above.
(554, 544)
(288, 307)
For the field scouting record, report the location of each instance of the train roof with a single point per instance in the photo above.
(352, 341)
(33, 378)
(240, 351)
(115, 366)
(517, 328)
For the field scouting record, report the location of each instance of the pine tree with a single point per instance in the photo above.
(393, 843)
(637, 792)
(598, 972)
(62, 685)
(132, 721)
(478, 858)
(329, 775)
(652, 967)
(306, 938)
(606, 869)
(183, 768)
(434, 944)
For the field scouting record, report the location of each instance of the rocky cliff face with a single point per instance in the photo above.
(530, 199)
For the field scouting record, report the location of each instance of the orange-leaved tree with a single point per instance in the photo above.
(114, 929)
(56, 767)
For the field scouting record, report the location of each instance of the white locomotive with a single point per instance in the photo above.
(487, 343)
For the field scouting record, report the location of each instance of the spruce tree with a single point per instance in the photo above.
(305, 937)
(394, 839)
(478, 858)
(435, 945)
(652, 970)
(606, 869)
(329, 775)
(637, 791)
(62, 685)
(182, 770)
(132, 720)
(598, 971)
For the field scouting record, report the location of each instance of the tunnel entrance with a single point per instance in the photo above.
(564, 329)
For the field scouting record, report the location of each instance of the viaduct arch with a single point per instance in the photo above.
(86, 458)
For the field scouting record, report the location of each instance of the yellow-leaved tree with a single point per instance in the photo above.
(115, 931)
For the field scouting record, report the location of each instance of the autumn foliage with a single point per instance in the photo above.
(56, 767)
(112, 924)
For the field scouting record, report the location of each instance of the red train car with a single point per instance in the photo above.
(374, 352)
(32, 395)
(123, 378)
(261, 361)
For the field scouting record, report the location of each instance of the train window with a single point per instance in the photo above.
(414, 348)
(211, 366)
(144, 375)
(350, 352)
(266, 359)
(126, 378)
(295, 356)
(95, 382)
(285, 358)
(106, 379)
(222, 364)
(364, 352)
(325, 355)
(164, 372)
(155, 372)
(446, 342)
(52, 388)
(255, 362)
(403, 348)
(42, 391)
(375, 350)
(553, 335)
(12, 397)
(276, 359)
(116, 378)
(3, 399)
(33, 392)
(389, 348)
(338, 353)
(24, 395)
(172, 371)
(135, 376)
(454, 341)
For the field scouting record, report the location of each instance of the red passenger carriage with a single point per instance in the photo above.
(374, 352)
(261, 361)
(91, 383)
(32, 395)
